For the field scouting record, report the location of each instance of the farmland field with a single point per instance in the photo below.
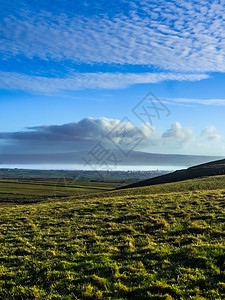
(29, 190)
(158, 242)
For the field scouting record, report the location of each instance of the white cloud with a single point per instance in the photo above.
(83, 135)
(178, 133)
(85, 129)
(210, 134)
(79, 81)
(175, 35)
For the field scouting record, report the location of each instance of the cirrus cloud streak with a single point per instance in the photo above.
(78, 81)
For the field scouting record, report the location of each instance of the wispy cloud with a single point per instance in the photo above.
(79, 81)
(217, 102)
(172, 35)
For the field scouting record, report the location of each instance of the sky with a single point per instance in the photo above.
(130, 75)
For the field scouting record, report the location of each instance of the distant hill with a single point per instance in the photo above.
(208, 169)
(133, 158)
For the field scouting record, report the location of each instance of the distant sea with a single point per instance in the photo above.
(74, 167)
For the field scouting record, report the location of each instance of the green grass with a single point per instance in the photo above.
(28, 190)
(205, 183)
(158, 242)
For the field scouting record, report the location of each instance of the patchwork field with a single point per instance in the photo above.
(158, 242)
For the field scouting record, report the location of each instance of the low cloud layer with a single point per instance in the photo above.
(123, 135)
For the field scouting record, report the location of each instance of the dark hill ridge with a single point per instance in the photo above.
(208, 169)
(133, 158)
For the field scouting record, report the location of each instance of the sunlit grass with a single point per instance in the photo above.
(162, 242)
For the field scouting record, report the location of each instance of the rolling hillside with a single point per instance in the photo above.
(208, 169)
(159, 242)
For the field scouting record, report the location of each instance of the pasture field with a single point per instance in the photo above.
(30, 190)
(158, 242)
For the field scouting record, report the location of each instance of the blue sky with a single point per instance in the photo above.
(68, 66)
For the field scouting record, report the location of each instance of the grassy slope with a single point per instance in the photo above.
(208, 169)
(158, 242)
